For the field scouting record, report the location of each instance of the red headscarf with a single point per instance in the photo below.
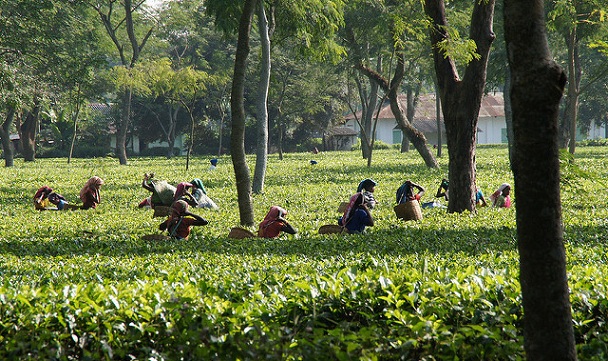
(273, 214)
(46, 190)
(92, 185)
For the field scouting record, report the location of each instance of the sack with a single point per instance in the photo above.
(240, 233)
(408, 211)
(332, 229)
(161, 211)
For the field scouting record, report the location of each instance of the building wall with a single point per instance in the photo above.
(491, 130)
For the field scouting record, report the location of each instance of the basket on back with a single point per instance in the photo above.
(332, 229)
(240, 233)
(342, 207)
(409, 211)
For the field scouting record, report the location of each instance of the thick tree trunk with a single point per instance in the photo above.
(5, 132)
(261, 160)
(461, 99)
(123, 127)
(29, 129)
(237, 137)
(536, 89)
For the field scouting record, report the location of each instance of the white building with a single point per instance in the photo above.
(491, 125)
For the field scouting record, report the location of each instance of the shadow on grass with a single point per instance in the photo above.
(390, 242)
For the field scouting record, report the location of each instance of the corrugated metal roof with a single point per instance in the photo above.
(344, 131)
(492, 105)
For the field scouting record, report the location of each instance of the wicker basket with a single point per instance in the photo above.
(155, 237)
(409, 211)
(342, 207)
(332, 229)
(240, 233)
(161, 211)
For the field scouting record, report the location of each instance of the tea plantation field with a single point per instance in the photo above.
(83, 285)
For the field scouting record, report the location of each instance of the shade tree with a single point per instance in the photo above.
(537, 85)
(461, 97)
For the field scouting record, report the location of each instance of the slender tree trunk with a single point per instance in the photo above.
(29, 129)
(368, 120)
(221, 130)
(574, 75)
(392, 90)
(5, 133)
(261, 160)
(121, 133)
(412, 97)
(536, 89)
(461, 99)
(237, 137)
(191, 143)
(173, 113)
(76, 115)
(438, 119)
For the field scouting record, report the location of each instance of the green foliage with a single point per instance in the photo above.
(84, 285)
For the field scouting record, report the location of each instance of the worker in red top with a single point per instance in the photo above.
(274, 223)
(180, 221)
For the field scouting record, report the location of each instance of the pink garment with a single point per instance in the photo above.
(181, 188)
(271, 226)
(356, 200)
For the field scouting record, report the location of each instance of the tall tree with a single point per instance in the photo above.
(392, 90)
(537, 85)
(237, 138)
(265, 28)
(461, 98)
(579, 23)
(118, 17)
(390, 34)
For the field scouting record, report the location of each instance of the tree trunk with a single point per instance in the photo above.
(29, 129)
(461, 99)
(5, 133)
(574, 80)
(237, 137)
(392, 90)
(123, 127)
(412, 103)
(509, 114)
(191, 143)
(536, 88)
(261, 160)
(369, 124)
(221, 129)
(173, 113)
(76, 115)
(438, 119)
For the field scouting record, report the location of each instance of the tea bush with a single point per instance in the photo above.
(84, 285)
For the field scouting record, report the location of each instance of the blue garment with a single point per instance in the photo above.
(478, 195)
(357, 222)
